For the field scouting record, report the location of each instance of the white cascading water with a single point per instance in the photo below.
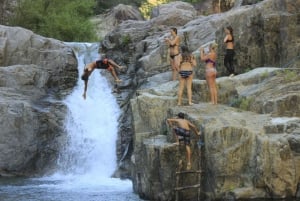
(89, 158)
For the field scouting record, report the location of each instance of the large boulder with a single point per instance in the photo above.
(108, 21)
(35, 74)
(181, 14)
(140, 46)
(245, 154)
(266, 34)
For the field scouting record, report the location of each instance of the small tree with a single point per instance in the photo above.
(66, 20)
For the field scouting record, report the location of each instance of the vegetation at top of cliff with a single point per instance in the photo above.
(103, 5)
(66, 20)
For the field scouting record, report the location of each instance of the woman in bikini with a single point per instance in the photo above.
(210, 71)
(173, 43)
(228, 59)
(187, 63)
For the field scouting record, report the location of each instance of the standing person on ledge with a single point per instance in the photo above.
(187, 63)
(210, 71)
(174, 43)
(182, 134)
(105, 63)
(228, 59)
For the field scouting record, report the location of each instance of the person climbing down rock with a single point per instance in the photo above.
(182, 134)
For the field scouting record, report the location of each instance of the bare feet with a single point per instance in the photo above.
(176, 143)
(190, 104)
(118, 80)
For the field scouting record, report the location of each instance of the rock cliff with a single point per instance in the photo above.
(35, 73)
(246, 154)
(249, 146)
(251, 139)
(260, 33)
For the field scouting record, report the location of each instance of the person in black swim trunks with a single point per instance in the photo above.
(174, 43)
(228, 59)
(182, 133)
(187, 63)
(105, 63)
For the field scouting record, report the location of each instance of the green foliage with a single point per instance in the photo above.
(126, 40)
(264, 75)
(241, 102)
(66, 20)
(288, 75)
(245, 104)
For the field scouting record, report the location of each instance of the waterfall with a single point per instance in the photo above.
(89, 157)
(91, 124)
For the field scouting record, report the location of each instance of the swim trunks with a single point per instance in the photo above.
(185, 73)
(103, 64)
(183, 135)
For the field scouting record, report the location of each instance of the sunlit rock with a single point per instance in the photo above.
(35, 73)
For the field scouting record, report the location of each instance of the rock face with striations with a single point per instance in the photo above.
(262, 38)
(246, 154)
(35, 73)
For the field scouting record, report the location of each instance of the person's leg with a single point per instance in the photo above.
(180, 90)
(174, 69)
(176, 66)
(188, 156)
(230, 62)
(214, 90)
(114, 74)
(189, 82)
(227, 64)
(210, 85)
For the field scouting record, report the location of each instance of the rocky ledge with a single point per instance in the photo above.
(251, 139)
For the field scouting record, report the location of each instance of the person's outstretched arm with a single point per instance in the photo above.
(203, 56)
(115, 64)
(85, 88)
(194, 128)
(171, 121)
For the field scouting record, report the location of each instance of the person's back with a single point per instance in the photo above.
(183, 123)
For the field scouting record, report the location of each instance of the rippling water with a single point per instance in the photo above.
(53, 189)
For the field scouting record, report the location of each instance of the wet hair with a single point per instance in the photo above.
(174, 29)
(185, 54)
(180, 115)
(230, 29)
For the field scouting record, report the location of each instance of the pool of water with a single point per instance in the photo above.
(54, 189)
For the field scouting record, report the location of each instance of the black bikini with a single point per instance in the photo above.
(173, 56)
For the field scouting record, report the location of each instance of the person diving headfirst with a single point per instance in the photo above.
(105, 63)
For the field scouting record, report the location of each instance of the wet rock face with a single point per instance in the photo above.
(35, 74)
